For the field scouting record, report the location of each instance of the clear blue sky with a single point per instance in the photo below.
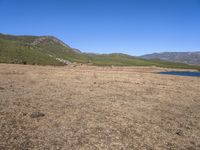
(105, 26)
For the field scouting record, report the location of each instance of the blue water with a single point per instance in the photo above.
(182, 73)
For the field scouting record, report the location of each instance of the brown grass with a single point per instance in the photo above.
(89, 107)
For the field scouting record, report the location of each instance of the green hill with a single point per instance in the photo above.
(48, 50)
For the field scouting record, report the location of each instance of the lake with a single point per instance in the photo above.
(182, 73)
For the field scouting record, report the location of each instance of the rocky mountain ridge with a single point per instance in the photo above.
(183, 57)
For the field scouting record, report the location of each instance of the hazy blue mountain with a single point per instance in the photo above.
(183, 57)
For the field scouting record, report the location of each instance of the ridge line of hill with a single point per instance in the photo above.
(49, 50)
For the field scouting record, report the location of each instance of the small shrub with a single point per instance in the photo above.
(24, 62)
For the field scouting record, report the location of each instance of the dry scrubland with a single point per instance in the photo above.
(89, 107)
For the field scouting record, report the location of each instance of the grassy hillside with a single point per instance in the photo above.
(43, 50)
(126, 60)
(18, 49)
(17, 52)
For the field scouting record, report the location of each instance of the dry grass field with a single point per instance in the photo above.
(87, 107)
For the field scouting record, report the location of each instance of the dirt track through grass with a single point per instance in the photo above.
(89, 107)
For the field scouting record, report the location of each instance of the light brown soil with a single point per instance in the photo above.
(89, 107)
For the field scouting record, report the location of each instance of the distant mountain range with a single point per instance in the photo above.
(49, 50)
(183, 57)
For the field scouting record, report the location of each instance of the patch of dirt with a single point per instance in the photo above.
(1, 88)
(87, 107)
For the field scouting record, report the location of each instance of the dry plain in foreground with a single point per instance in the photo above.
(87, 107)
